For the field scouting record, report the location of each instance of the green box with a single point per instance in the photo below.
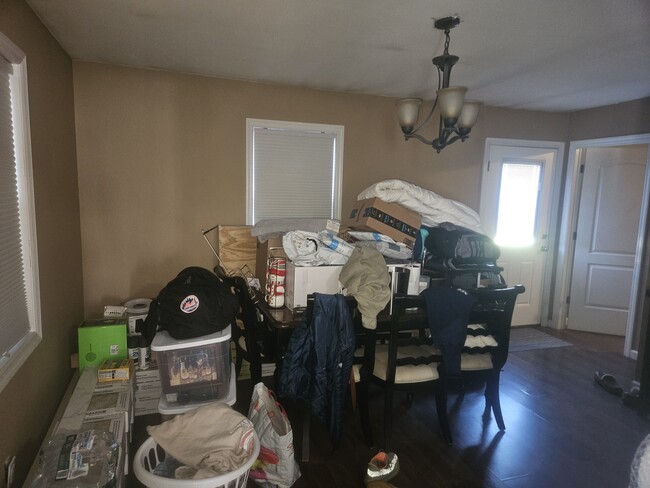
(101, 339)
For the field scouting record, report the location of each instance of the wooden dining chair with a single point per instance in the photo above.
(407, 361)
(488, 340)
(254, 339)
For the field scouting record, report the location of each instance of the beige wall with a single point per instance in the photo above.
(163, 155)
(29, 401)
(621, 119)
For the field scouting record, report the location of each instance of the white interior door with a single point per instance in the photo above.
(606, 238)
(515, 210)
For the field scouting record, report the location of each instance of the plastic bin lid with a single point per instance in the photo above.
(164, 342)
(172, 409)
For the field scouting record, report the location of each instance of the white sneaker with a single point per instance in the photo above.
(383, 466)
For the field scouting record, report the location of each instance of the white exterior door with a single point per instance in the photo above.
(606, 238)
(515, 210)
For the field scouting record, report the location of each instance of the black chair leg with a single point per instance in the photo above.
(441, 409)
(238, 363)
(305, 432)
(492, 399)
(388, 417)
(256, 369)
(364, 413)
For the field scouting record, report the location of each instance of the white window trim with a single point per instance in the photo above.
(337, 130)
(11, 362)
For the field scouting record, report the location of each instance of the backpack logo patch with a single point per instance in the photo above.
(189, 304)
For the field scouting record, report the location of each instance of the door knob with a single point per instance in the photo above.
(544, 248)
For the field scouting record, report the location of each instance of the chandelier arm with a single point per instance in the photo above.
(452, 140)
(428, 117)
(433, 108)
(418, 137)
(442, 142)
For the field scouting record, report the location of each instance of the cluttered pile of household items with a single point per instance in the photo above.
(175, 354)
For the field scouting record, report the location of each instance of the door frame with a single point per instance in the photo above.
(558, 147)
(566, 243)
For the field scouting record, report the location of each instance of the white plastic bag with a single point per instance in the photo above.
(276, 465)
(307, 248)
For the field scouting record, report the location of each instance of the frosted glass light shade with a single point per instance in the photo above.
(469, 114)
(450, 101)
(407, 113)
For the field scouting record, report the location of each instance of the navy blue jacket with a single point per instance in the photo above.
(317, 363)
(448, 311)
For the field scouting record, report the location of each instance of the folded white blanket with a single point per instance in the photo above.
(434, 208)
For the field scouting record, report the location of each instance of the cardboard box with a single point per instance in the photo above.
(148, 389)
(272, 248)
(147, 377)
(391, 219)
(111, 386)
(236, 247)
(147, 407)
(101, 339)
(301, 281)
(103, 405)
(115, 370)
(93, 400)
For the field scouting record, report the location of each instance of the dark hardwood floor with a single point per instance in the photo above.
(563, 430)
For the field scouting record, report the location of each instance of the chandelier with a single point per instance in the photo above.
(457, 115)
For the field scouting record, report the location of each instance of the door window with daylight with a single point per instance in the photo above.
(518, 201)
(293, 170)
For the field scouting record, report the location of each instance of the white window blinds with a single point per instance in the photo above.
(294, 170)
(13, 309)
(20, 327)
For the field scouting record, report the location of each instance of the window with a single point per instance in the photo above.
(20, 317)
(293, 170)
(518, 204)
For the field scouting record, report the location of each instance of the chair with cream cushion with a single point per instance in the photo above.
(407, 361)
(488, 340)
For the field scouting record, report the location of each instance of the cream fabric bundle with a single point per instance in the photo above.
(366, 278)
(213, 438)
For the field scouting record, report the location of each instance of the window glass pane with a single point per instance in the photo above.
(518, 197)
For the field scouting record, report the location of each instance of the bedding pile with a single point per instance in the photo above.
(313, 241)
(434, 208)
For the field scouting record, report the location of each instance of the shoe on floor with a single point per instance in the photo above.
(631, 398)
(608, 382)
(382, 467)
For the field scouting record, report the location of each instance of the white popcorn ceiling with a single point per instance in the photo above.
(549, 55)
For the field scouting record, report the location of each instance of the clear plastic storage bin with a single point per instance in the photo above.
(168, 410)
(193, 370)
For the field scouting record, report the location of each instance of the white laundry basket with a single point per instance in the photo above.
(150, 454)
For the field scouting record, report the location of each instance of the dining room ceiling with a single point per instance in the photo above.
(549, 55)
